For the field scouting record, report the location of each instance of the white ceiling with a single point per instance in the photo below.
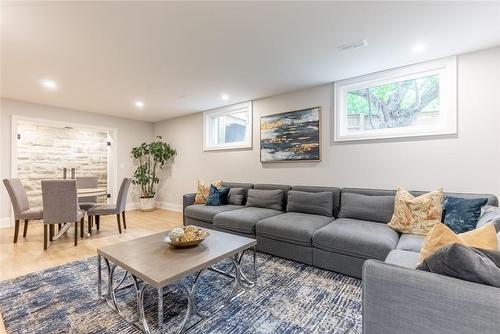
(180, 57)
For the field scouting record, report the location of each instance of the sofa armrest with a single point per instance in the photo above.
(401, 300)
(187, 200)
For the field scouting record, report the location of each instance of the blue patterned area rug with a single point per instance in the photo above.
(289, 297)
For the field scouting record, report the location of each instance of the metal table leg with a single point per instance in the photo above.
(111, 291)
(99, 278)
(63, 230)
(244, 280)
(140, 303)
(190, 291)
(192, 308)
(160, 310)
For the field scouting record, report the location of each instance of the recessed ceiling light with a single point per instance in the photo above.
(224, 97)
(139, 104)
(353, 45)
(418, 47)
(49, 84)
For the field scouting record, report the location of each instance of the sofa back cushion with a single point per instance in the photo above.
(269, 199)
(377, 208)
(320, 203)
(317, 189)
(235, 196)
(245, 186)
(492, 199)
(283, 187)
(386, 204)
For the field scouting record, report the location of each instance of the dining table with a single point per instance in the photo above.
(81, 192)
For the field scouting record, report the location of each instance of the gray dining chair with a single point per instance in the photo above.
(111, 209)
(87, 202)
(20, 204)
(60, 204)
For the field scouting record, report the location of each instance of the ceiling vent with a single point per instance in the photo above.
(353, 45)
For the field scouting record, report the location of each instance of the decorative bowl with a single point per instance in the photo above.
(201, 235)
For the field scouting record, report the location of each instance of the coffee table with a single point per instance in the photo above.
(152, 263)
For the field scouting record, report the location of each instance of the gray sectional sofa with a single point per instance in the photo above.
(355, 240)
(355, 231)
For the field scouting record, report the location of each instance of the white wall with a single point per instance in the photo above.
(469, 162)
(130, 134)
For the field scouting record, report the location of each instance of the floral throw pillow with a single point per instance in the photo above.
(417, 215)
(203, 189)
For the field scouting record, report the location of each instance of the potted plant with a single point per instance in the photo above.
(152, 158)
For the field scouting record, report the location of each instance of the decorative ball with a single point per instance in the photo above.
(176, 233)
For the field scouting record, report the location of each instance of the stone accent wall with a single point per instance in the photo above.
(43, 151)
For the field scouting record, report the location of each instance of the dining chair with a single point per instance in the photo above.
(20, 204)
(111, 209)
(87, 202)
(60, 203)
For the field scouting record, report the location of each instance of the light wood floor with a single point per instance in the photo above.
(27, 255)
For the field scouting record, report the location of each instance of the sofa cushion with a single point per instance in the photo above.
(318, 189)
(419, 214)
(245, 186)
(293, 227)
(203, 189)
(270, 199)
(403, 258)
(410, 242)
(243, 220)
(366, 207)
(217, 196)
(206, 213)
(484, 237)
(470, 264)
(269, 186)
(320, 203)
(236, 196)
(461, 214)
(491, 214)
(361, 238)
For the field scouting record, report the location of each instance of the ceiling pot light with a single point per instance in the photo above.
(49, 84)
(224, 97)
(139, 104)
(418, 47)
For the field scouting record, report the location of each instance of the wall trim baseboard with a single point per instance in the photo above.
(5, 222)
(169, 206)
(132, 206)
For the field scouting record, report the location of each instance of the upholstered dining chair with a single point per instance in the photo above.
(21, 206)
(111, 209)
(88, 202)
(60, 203)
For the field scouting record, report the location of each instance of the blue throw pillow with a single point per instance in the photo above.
(462, 214)
(217, 197)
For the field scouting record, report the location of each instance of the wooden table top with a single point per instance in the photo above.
(159, 264)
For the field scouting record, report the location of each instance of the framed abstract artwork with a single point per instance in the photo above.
(291, 136)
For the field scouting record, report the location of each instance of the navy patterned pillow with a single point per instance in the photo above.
(462, 214)
(217, 197)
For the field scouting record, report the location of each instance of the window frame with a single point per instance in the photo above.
(446, 68)
(224, 111)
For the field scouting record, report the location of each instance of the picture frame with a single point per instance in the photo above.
(292, 136)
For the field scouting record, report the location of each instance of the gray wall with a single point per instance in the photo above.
(469, 162)
(130, 134)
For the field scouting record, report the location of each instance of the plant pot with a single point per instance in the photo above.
(147, 203)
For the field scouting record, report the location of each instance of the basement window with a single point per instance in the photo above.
(228, 127)
(411, 101)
